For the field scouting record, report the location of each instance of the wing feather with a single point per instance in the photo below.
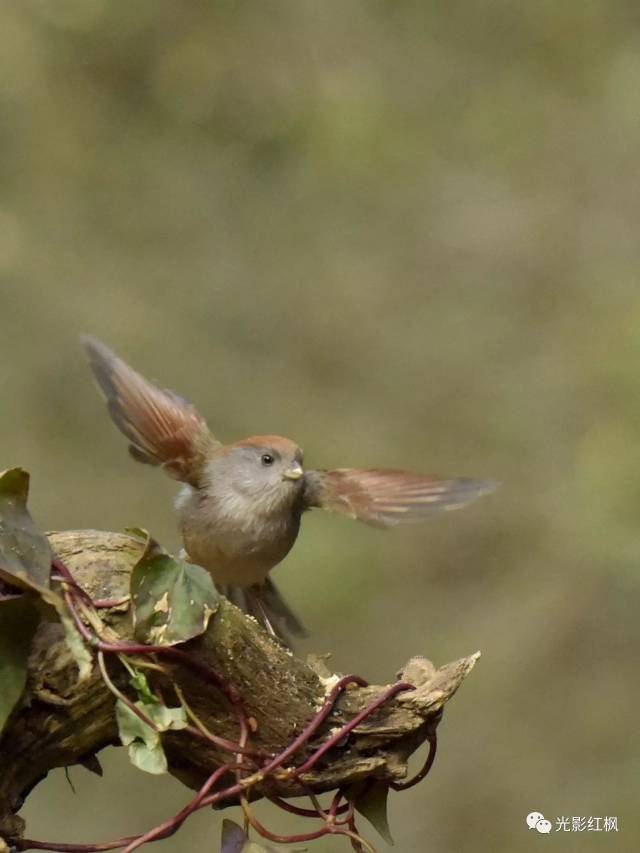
(385, 497)
(163, 428)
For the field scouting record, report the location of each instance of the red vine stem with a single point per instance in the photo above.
(206, 796)
(172, 825)
(431, 757)
(351, 725)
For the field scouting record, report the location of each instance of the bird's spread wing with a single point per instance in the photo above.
(163, 428)
(385, 497)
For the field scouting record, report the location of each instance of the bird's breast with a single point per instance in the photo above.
(231, 538)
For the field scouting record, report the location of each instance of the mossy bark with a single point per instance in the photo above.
(62, 721)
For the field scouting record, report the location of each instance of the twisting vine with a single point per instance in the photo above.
(248, 767)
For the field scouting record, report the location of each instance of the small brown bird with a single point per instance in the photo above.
(241, 504)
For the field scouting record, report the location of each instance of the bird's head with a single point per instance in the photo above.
(266, 468)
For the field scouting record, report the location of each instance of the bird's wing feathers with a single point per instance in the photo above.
(163, 428)
(385, 497)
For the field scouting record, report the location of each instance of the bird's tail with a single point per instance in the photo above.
(268, 607)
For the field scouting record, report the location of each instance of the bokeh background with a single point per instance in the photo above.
(404, 234)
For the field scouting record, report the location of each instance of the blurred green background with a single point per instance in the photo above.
(404, 234)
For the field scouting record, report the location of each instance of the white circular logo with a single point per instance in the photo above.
(533, 818)
(536, 820)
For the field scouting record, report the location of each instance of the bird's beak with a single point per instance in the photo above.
(293, 473)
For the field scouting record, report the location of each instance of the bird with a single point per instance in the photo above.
(240, 504)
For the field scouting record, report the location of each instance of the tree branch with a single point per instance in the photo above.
(61, 721)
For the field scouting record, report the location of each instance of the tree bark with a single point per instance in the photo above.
(62, 721)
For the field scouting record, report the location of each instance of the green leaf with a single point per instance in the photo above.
(172, 601)
(140, 533)
(233, 837)
(140, 683)
(151, 546)
(92, 764)
(166, 718)
(18, 621)
(25, 554)
(143, 741)
(79, 650)
(150, 758)
(25, 559)
(370, 799)
(235, 840)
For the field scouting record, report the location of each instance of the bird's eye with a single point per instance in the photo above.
(266, 459)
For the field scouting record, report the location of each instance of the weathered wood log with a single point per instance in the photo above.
(61, 721)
